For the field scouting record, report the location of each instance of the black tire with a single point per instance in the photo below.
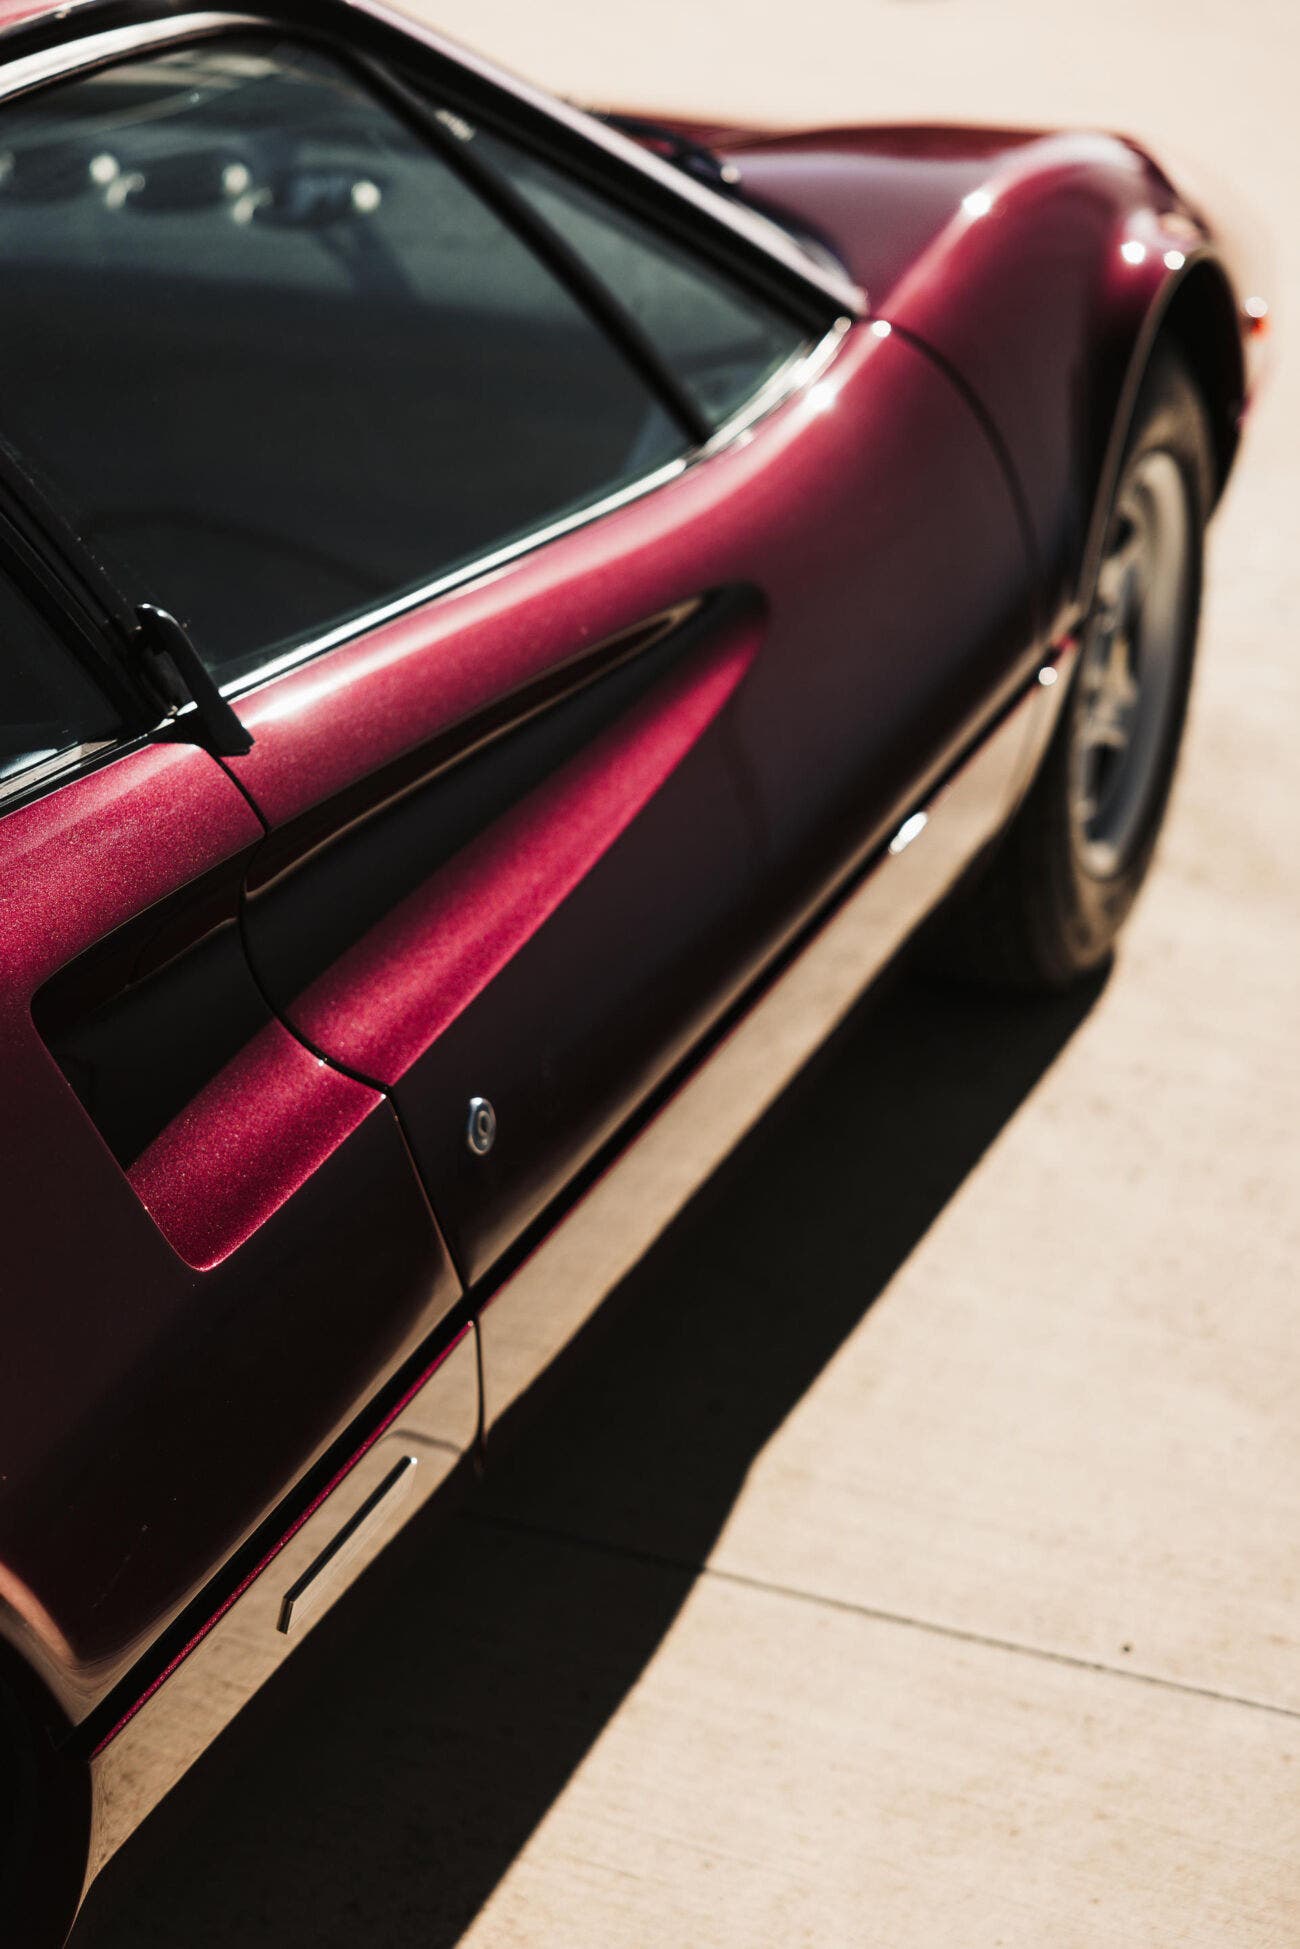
(1049, 907)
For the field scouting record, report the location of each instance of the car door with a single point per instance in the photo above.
(513, 866)
(841, 571)
(577, 583)
(216, 1249)
(509, 855)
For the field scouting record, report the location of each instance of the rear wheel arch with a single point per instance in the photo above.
(1194, 315)
(1200, 319)
(1044, 913)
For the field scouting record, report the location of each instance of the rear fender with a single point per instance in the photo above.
(1050, 307)
(1039, 270)
(1193, 309)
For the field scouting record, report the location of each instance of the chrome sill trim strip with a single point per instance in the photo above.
(324, 1580)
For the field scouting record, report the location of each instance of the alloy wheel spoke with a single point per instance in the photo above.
(1128, 668)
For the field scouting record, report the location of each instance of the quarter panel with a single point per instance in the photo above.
(1034, 266)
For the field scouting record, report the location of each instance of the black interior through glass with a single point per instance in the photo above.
(275, 357)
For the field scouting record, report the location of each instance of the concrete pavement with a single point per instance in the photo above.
(915, 1557)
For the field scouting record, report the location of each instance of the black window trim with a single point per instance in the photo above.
(104, 33)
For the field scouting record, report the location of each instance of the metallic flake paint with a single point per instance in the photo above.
(168, 1370)
(975, 436)
(387, 1000)
(262, 1127)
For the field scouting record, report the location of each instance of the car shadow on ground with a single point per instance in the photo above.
(385, 1784)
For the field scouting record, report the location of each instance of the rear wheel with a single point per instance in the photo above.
(1069, 867)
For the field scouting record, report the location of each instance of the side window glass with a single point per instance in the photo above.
(722, 342)
(280, 364)
(49, 706)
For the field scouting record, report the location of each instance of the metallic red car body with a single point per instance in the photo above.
(208, 1354)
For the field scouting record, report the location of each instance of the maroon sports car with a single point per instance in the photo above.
(514, 617)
